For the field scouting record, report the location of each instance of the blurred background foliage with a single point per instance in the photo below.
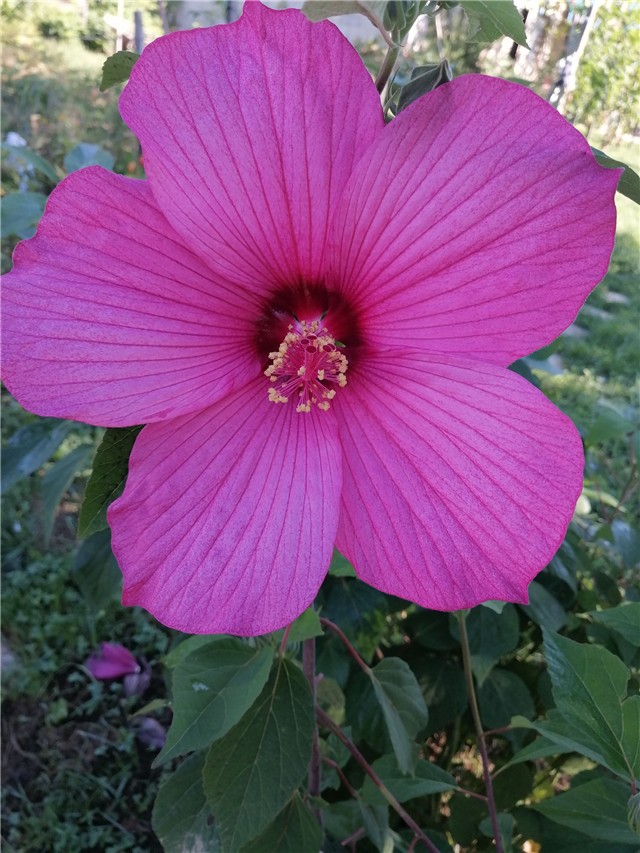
(76, 774)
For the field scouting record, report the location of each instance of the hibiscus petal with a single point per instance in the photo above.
(229, 516)
(250, 132)
(108, 319)
(112, 661)
(476, 225)
(460, 479)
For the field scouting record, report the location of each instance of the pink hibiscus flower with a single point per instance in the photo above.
(112, 661)
(314, 313)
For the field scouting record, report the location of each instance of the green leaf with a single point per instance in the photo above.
(212, 688)
(544, 353)
(424, 78)
(251, 772)
(506, 826)
(491, 636)
(335, 749)
(624, 619)
(517, 783)
(331, 699)
(589, 684)
(629, 183)
(181, 814)
(341, 818)
(96, 571)
(427, 778)
(21, 212)
(306, 626)
(360, 611)
(597, 808)
(185, 647)
(364, 713)
(332, 660)
(341, 567)
(493, 604)
(32, 158)
(57, 480)
(609, 424)
(544, 609)
(150, 707)
(405, 713)
(627, 543)
(87, 154)
(630, 740)
(541, 747)
(491, 19)
(444, 689)
(466, 814)
(430, 628)
(352, 604)
(376, 824)
(633, 812)
(559, 730)
(521, 367)
(117, 68)
(31, 447)
(502, 696)
(555, 838)
(295, 830)
(109, 474)
(318, 10)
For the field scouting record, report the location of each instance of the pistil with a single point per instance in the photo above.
(308, 366)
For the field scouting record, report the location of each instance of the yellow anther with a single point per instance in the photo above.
(307, 364)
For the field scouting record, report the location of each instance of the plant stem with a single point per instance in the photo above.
(467, 793)
(630, 482)
(326, 721)
(387, 67)
(354, 654)
(309, 668)
(346, 783)
(285, 638)
(475, 713)
(353, 838)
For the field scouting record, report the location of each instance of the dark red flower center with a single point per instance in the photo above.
(309, 335)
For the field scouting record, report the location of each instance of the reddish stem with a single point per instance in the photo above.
(354, 654)
(309, 668)
(347, 784)
(351, 840)
(473, 794)
(326, 721)
(285, 638)
(475, 713)
(387, 67)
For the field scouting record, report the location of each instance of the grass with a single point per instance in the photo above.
(74, 775)
(50, 91)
